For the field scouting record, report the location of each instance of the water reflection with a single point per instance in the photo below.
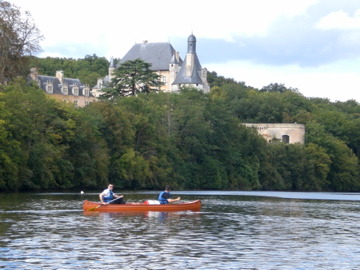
(230, 232)
(146, 215)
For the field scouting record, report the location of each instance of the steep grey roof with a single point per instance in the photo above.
(194, 77)
(57, 85)
(106, 82)
(191, 38)
(174, 60)
(158, 54)
(191, 44)
(112, 63)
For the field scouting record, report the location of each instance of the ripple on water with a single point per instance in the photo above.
(230, 232)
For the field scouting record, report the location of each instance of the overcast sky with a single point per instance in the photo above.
(311, 45)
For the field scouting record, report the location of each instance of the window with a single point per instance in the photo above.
(76, 91)
(285, 139)
(164, 79)
(76, 103)
(86, 92)
(65, 90)
(49, 88)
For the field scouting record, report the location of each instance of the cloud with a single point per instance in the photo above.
(336, 81)
(308, 39)
(340, 20)
(117, 24)
(313, 45)
(72, 50)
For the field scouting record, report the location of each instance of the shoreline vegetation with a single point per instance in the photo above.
(189, 140)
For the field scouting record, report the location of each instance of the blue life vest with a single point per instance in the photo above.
(110, 197)
(163, 196)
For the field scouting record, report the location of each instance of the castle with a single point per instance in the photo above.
(174, 73)
(166, 62)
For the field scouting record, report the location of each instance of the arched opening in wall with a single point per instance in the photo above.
(285, 139)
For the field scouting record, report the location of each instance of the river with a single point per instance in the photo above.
(233, 230)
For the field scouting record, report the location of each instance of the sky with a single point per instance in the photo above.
(310, 45)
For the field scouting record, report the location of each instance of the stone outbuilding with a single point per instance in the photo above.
(281, 132)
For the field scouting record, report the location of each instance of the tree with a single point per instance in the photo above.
(274, 87)
(132, 77)
(19, 37)
(88, 69)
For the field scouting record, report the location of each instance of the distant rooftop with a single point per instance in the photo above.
(158, 54)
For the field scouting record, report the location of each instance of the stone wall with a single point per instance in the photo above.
(78, 101)
(287, 133)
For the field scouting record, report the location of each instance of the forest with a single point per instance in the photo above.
(189, 140)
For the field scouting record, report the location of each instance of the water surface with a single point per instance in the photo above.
(233, 230)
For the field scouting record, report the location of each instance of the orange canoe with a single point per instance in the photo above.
(142, 207)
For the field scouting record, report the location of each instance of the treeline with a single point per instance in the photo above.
(88, 70)
(189, 140)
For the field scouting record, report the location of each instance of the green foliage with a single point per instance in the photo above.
(318, 168)
(131, 78)
(189, 140)
(88, 70)
(276, 87)
(19, 37)
(43, 143)
(215, 80)
(344, 167)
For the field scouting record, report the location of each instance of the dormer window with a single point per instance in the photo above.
(49, 88)
(76, 91)
(86, 91)
(65, 89)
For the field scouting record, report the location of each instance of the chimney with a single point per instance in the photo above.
(33, 73)
(60, 75)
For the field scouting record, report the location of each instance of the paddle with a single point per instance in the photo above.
(93, 208)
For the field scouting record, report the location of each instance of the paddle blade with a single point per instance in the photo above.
(93, 208)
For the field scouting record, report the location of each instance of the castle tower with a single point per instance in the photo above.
(191, 44)
(174, 67)
(112, 68)
(191, 72)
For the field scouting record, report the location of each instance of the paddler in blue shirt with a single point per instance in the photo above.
(165, 196)
(109, 197)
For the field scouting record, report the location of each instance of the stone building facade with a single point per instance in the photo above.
(280, 132)
(167, 63)
(64, 89)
